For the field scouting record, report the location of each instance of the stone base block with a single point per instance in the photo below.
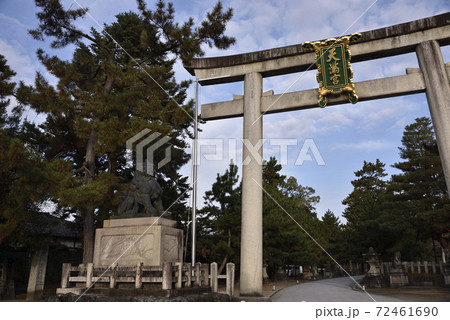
(375, 281)
(398, 280)
(251, 299)
(447, 279)
(75, 291)
(150, 240)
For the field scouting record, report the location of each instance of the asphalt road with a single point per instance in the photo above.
(328, 290)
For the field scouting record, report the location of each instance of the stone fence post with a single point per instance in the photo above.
(65, 275)
(214, 280)
(205, 275)
(167, 276)
(89, 274)
(230, 279)
(188, 274)
(138, 282)
(197, 277)
(405, 266)
(113, 277)
(179, 274)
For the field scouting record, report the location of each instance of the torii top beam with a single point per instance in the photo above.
(379, 43)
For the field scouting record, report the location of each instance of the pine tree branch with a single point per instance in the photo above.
(84, 35)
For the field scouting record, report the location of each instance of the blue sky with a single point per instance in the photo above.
(345, 135)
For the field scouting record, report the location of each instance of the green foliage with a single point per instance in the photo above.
(332, 236)
(6, 91)
(288, 211)
(417, 207)
(117, 83)
(185, 40)
(363, 208)
(26, 179)
(220, 220)
(406, 213)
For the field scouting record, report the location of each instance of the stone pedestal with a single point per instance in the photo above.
(398, 280)
(150, 240)
(446, 274)
(397, 277)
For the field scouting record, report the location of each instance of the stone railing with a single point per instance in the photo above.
(423, 267)
(76, 279)
(229, 277)
(414, 273)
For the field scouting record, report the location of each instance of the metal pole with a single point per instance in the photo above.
(194, 175)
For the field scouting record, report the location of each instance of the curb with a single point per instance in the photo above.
(275, 292)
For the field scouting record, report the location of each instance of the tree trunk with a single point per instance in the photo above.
(225, 259)
(88, 211)
(88, 236)
(89, 166)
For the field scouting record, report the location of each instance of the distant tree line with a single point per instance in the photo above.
(409, 213)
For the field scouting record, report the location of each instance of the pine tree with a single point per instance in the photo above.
(118, 82)
(286, 205)
(417, 206)
(363, 206)
(7, 90)
(331, 231)
(220, 219)
(26, 179)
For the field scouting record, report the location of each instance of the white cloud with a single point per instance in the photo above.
(11, 22)
(369, 145)
(19, 60)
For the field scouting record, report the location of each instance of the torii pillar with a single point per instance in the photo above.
(438, 96)
(252, 226)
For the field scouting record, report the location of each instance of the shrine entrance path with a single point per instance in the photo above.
(328, 290)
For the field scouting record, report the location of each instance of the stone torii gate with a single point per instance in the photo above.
(423, 36)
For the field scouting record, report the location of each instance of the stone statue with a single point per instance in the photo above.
(397, 274)
(142, 199)
(397, 262)
(374, 263)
